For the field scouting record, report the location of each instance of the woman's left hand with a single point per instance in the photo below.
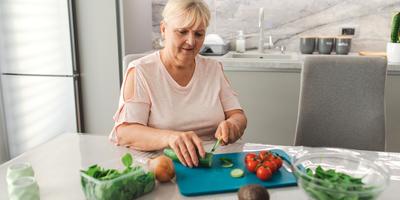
(228, 131)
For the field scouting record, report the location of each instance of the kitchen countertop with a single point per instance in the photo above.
(57, 164)
(279, 65)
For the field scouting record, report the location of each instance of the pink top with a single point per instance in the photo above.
(160, 102)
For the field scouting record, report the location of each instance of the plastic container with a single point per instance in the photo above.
(374, 177)
(240, 42)
(128, 186)
(19, 170)
(24, 188)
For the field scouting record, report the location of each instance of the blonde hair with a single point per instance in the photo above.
(193, 12)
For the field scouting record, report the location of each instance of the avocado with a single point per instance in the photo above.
(253, 192)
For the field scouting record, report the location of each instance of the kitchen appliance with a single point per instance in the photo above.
(39, 78)
(200, 181)
(214, 45)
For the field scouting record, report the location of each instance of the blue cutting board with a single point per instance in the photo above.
(200, 181)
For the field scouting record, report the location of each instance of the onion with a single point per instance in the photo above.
(163, 168)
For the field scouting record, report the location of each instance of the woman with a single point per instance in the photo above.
(174, 97)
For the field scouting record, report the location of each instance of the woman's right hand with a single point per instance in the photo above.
(186, 145)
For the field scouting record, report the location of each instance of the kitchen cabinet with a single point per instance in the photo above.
(270, 101)
(392, 95)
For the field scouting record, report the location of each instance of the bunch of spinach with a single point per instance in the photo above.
(338, 186)
(129, 183)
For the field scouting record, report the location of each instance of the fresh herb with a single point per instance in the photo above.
(226, 162)
(339, 186)
(127, 160)
(129, 183)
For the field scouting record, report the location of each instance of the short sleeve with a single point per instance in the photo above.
(135, 109)
(229, 98)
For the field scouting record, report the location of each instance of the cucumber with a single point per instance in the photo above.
(237, 173)
(226, 162)
(203, 162)
(395, 32)
(227, 165)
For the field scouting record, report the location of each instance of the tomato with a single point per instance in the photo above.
(278, 161)
(252, 165)
(249, 156)
(265, 155)
(272, 165)
(264, 173)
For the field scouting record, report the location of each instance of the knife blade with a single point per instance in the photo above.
(216, 144)
(287, 164)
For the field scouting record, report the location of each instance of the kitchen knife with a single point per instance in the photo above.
(216, 144)
(286, 163)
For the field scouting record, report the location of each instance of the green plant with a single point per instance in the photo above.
(395, 33)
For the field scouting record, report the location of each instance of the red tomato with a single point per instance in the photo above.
(265, 155)
(252, 165)
(264, 173)
(278, 161)
(249, 156)
(272, 165)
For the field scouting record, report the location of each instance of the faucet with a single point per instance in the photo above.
(261, 30)
(281, 48)
(261, 44)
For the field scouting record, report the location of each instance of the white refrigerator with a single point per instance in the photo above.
(39, 77)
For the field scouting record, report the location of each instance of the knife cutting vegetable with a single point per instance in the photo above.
(203, 162)
(216, 144)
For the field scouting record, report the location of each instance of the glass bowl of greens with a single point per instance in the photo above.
(334, 174)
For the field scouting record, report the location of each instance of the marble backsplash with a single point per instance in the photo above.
(287, 20)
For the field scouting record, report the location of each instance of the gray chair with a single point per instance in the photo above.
(342, 102)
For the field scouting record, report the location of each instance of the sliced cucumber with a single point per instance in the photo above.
(227, 165)
(237, 173)
(226, 162)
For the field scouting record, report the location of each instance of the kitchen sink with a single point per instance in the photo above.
(261, 56)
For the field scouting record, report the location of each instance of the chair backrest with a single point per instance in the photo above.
(131, 57)
(342, 102)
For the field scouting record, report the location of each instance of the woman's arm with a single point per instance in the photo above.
(140, 137)
(231, 129)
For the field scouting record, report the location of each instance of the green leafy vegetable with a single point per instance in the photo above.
(127, 160)
(338, 186)
(106, 184)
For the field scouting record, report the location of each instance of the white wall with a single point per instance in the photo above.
(98, 60)
(136, 24)
(287, 20)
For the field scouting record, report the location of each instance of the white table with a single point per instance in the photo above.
(57, 164)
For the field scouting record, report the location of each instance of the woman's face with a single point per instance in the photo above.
(182, 43)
